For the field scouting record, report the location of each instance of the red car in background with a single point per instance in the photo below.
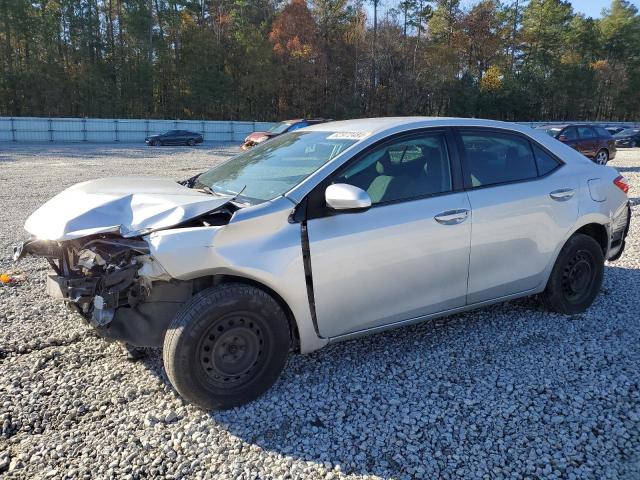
(278, 129)
(593, 141)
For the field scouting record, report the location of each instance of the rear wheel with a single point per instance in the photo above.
(576, 277)
(602, 157)
(191, 142)
(226, 346)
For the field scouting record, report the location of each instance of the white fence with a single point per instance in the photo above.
(99, 130)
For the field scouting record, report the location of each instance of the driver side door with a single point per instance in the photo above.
(405, 257)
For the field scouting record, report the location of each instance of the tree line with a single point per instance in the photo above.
(274, 59)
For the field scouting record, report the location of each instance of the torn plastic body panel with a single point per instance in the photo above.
(114, 284)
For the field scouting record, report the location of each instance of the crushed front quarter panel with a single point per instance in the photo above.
(260, 243)
(129, 206)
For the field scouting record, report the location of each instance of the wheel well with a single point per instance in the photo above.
(201, 283)
(598, 232)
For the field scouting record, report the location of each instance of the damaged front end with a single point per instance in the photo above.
(100, 276)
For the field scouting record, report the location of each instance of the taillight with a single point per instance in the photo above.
(621, 183)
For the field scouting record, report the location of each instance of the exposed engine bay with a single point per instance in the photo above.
(115, 284)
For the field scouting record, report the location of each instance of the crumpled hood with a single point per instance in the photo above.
(131, 206)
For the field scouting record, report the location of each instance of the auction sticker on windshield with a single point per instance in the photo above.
(348, 135)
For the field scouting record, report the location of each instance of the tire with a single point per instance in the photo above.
(191, 142)
(154, 143)
(576, 277)
(226, 346)
(634, 144)
(602, 157)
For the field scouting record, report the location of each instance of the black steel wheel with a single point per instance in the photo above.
(576, 277)
(226, 346)
(231, 349)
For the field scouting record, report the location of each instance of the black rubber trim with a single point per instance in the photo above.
(306, 262)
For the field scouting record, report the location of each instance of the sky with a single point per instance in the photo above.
(591, 8)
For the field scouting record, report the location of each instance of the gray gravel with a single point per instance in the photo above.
(509, 391)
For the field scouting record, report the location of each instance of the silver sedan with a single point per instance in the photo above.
(330, 232)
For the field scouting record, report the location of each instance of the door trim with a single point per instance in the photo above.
(431, 316)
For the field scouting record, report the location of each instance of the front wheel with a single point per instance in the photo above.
(602, 157)
(576, 277)
(191, 142)
(226, 346)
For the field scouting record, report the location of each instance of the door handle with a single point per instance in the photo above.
(452, 217)
(563, 194)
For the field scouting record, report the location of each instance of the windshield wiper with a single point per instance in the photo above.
(209, 190)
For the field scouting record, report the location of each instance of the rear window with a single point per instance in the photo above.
(545, 162)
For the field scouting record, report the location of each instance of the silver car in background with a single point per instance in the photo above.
(323, 234)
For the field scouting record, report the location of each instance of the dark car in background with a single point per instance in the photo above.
(278, 129)
(614, 130)
(174, 137)
(628, 138)
(593, 141)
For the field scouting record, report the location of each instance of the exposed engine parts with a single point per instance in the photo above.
(97, 274)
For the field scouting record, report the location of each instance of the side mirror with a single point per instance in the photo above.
(563, 138)
(342, 196)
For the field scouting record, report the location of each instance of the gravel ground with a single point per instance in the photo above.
(505, 392)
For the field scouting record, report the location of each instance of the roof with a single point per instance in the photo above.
(375, 125)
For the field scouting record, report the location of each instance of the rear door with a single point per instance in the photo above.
(405, 257)
(523, 205)
(588, 141)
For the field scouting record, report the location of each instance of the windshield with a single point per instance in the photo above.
(627, 132)
(274, 167)
(279, 128)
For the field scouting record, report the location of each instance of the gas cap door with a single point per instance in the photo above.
(597, 190)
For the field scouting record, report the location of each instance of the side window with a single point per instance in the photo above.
(585, 132)
(493, 158)
(571, 133)
(602, 132)
(402, 170)
(546, 163)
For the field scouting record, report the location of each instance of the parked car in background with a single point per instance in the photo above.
(628, 138)
(593, 141)
(278, 129)
(325, 234)
(174, 137)
(614, 130)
